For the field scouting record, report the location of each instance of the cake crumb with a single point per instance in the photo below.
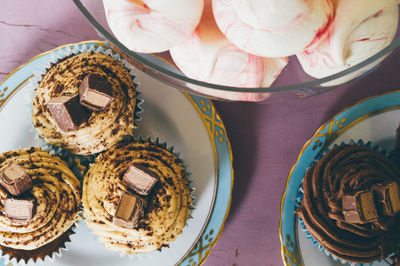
(236, 252)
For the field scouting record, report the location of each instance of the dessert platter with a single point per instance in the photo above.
(353, 221)
(247, 50)
(100, 165)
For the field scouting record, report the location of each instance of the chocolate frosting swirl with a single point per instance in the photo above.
(103, 129)
(57, 194)
(168, 203)
(347, 169)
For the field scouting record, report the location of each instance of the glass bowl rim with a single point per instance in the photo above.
(136, 56)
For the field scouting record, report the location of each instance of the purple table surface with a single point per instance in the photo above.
(266, 138)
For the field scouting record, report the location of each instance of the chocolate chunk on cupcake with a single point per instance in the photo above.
(19, 210)
(140, 179)
(15, 179)
(95, 92)
(129, 211)
(67, 112)
(136, 197)
(85, 103)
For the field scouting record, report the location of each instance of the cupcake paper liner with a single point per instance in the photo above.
(164, 145)
(300, 194)
(60, 55)
(45, 254)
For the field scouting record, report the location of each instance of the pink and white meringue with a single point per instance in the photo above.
(207, 55)
(151, 26)
(272, 28)
(360, 29)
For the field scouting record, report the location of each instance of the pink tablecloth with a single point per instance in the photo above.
(266, 138)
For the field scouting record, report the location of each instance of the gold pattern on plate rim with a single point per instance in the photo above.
(330, 137)
(211, 132)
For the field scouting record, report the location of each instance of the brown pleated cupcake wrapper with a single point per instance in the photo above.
(47, 253)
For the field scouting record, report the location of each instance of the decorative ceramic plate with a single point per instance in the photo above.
(189, 123)
(374, 119)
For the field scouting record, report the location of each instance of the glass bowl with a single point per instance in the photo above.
(292, 79)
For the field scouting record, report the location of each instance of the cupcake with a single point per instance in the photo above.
(136, 197)
(40, 199)
(85, 103)
(351, 204)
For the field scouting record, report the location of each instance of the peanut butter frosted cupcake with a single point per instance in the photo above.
(136, 197)
(85, 103)
(40, 199)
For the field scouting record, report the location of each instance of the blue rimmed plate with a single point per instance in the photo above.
(189, 123)
(374, 119)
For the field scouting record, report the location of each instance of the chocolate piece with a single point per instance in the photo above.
(67, 112)
(15, 180)
(129, 210)
(359, 208)
(95, 92)
(387, 198)
(140, 179)
(19, 210)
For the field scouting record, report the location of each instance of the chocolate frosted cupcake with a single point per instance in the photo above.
(40, 199)
(351, 203)
(136, 197)
(85, 103)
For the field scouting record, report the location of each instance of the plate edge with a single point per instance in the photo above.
(305, 146)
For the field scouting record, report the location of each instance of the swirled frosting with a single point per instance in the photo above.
(103, 129)
(347, 169)
(57, 194)
(168, 204)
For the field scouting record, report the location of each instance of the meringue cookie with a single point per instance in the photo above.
(272, 28)
(207, 55)
(360, 29)
(151, 26)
